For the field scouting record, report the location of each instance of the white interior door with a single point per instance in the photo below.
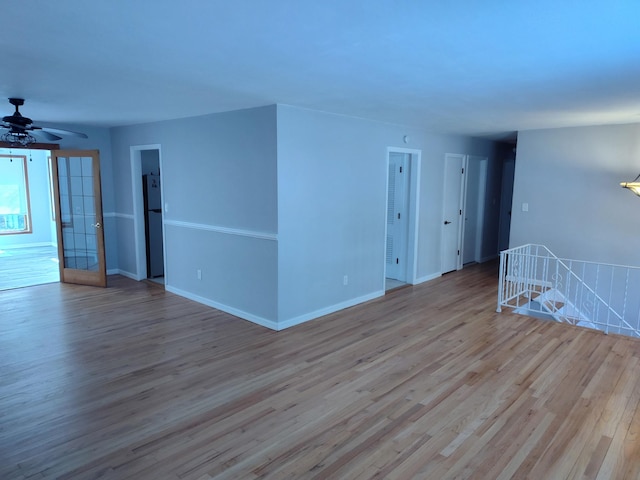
(397, 216)
(452, 214)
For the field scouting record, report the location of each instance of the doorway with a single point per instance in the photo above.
(474, 208)
(28, 243)
(506, 199)
(465, 180)
(148, 212)
(403, 167)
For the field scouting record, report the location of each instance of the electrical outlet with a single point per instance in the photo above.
(199, 274)
(345, 280)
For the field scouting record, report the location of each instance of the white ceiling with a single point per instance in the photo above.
(456, 66)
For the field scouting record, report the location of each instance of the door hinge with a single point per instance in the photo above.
(458, 252)
(400, 168)
(463, 171)
(398, 215)
(397, 261)
(460, 212)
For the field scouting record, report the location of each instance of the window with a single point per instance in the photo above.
(15, 212)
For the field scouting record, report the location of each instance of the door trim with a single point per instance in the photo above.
(138, 210)
(415, 161)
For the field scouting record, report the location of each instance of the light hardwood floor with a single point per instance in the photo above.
(22, 267)
(132, 382)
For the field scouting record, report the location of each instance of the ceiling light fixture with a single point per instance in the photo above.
(18, 139)
(633, 186)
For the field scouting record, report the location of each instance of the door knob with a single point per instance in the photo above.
(447, 222)
(96, 225)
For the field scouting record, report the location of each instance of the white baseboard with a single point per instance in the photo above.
(27, 245)
(426, 278)
(117, 271)
(270, 323)
(326, 311)
(225, 308)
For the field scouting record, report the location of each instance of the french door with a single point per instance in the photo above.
(78, 204)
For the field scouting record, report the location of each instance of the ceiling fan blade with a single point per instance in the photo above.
(58, 131)
(48, 135)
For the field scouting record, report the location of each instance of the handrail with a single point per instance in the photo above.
(509, 250)
(595, 295)
(526, 272)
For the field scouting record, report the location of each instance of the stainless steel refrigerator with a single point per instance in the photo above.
(153, 225)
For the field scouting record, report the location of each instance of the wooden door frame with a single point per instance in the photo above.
(80, 276)
(413, 208)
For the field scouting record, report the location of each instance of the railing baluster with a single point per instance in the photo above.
(596, 312)
(638, 321)
(624, 301)
(557, 287)
(567, 295)
(502, 278)
(526, 270)
(584, 266)
(608, 302)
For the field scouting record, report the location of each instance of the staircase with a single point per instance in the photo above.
(533, 281)
(553, 303)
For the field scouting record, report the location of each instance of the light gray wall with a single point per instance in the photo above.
(331, 206)
(570, 179)
(219, 184)
(332, 173)
(276, 204)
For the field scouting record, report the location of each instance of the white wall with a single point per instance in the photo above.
(276, 204)
(220, 194)
(332, 207)
(570, 179)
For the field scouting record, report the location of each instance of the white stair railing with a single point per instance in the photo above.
(596, 295)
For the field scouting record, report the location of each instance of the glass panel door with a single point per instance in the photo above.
(79, 211)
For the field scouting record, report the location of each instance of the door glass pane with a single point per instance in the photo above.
(77, 205)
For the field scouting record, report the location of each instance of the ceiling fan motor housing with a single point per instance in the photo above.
(17, 119)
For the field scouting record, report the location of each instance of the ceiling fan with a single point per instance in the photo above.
(20, 129)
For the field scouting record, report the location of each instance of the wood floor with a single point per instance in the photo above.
(132, 382)
(22, 267)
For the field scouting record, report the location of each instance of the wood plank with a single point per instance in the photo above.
(133, 382)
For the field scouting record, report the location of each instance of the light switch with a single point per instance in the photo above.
(525, 207)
